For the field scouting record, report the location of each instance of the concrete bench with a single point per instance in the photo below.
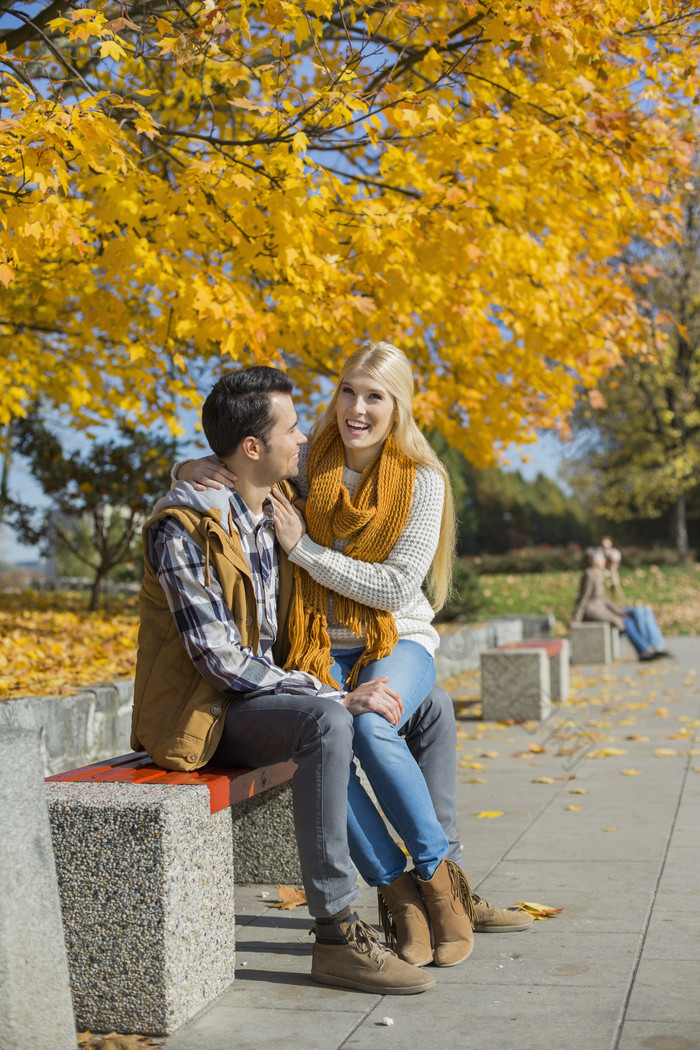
(594, 642)
(557, 650)
(515, 684)
(146, 861)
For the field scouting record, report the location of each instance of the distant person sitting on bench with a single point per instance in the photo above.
(594, 605)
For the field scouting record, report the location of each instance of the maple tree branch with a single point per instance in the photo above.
(13, 38)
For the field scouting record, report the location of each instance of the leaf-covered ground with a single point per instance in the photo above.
(50, 645)
(673, 592)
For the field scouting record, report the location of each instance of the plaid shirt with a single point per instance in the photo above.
(204, 621)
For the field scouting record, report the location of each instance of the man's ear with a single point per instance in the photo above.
(251, 447)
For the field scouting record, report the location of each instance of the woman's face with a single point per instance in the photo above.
(365, 412)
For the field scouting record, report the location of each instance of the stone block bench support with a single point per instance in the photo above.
(146, 861)
(515, 683)
(557, 650)
(593, 643)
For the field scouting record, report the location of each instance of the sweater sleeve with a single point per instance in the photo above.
(389, 585)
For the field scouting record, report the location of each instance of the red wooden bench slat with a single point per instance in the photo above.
(551, 645)
(226, 786)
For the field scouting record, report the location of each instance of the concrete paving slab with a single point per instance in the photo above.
(453, 1016)
(659, 1035)
(595, 896)
(660, 992)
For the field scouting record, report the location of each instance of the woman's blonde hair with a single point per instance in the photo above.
(388, 365)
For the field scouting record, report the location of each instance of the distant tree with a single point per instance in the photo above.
(111, 488)
(639, 433)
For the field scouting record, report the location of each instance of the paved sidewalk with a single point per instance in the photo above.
(618, 969)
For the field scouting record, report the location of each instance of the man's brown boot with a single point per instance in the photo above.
(405, 921)
(448, 899)
(490, 919)
(350, 956)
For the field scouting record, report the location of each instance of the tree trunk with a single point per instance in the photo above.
(679, 528)
(95, 593)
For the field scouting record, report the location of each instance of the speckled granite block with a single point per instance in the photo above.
(515, 683)
(35, 1003)
(146, 884)
(264, 842)
(591, 643)
(559, 673)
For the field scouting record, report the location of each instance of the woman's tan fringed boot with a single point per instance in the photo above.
(405, 920)
(448, 900)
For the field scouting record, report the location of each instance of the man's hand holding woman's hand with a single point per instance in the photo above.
(207, 473)
(376, 696)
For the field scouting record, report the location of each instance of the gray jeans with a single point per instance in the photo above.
(317, 735)
(431, 736)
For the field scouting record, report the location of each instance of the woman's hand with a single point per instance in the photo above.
(207, 473)
(376, 696)
(289, 521)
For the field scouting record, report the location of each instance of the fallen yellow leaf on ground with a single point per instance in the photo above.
(473, 780)
(609, 829)
(289, 897)
(114, 1041)
(664, 752)
(578, 791)
(489, 813)
(631, 772)
(574, 809)
(538, 911)
(543, 780)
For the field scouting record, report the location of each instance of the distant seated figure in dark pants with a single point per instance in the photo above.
(593, 604)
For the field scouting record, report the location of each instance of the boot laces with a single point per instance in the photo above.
(364, 938)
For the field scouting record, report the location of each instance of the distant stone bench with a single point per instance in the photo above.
(557, 650)
(594, 642)
(146, 861)
(515, 684)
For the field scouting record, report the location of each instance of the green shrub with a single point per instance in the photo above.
(563, 559)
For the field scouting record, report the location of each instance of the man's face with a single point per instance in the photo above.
(280, 456)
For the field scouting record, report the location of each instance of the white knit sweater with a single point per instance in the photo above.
(395, 583)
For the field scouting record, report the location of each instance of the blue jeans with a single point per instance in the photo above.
(646, 625)
(393, 772)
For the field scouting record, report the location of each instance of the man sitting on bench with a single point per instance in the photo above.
(209, 682)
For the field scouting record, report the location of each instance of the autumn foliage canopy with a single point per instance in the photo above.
(187, 185)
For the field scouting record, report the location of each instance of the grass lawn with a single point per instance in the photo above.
(673, 592)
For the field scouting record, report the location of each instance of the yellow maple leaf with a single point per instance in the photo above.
(538, 911)
(489, 814)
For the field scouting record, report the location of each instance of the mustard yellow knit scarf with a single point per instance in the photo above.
(371, 523)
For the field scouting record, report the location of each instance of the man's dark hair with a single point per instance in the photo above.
(239, 406)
